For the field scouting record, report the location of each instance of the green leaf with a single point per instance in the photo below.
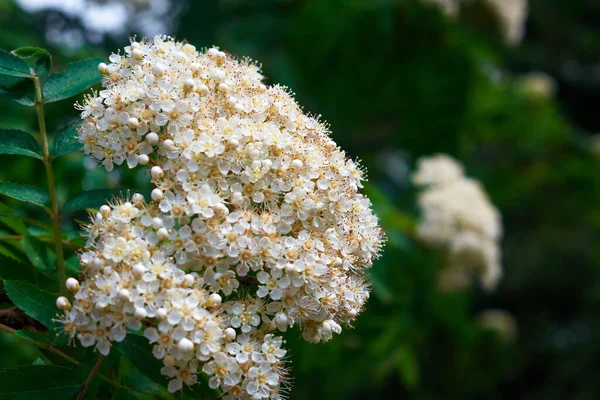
(7, 252)
(17, 89)
(40, 57)
(123, 394)
(26, 193)
(139, 352)
(76, 78)
(12, 271)
(12, 220)
(38, 254)
(31, 336)
(39, 382)
(38, 304)
(12, 65)
(19, 142)
(66, 142)
(90, 199)
(141, 383)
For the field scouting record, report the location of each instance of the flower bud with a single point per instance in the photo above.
(140, 313)
(124, 294)
(162, 233)
(138, 270)
(156, 172)
(230, 334)
(185, 345)
(215, 299)
(156, 194)
(188, 84)
(137, 198)
(152, 138)
(137, 54)
(105, 211)
(103, 68)
(72, 284)
(158, 69)
(188, 280)
(281, 321)
(157, 222)
(63, 303)
(203, 89)
(161, 314)
(133, 123)
(223, 87)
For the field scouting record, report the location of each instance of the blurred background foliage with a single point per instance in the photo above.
(397, 80)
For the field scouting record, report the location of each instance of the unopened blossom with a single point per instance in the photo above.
(255, 224)
(458, 218)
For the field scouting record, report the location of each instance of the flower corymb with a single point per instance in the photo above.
(256, 223)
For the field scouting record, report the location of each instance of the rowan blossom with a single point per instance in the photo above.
(459, 219)
(256, 223)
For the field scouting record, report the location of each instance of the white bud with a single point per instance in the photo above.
(188, 84)
(223, 87)
(195, 67)
(152, 138)
(189, 48)
(157, 223)
(158, 69)
(262, 87)
(156, 172)
(105, 211)
(140, 313)
(352, 313)
(137, 198)
(239, 107)
(161, 314)
(215, 299)
(185, 345)
(203, 89)
(212, 52)
(231, 101)
(143, 159)
(162, 233)
(137, 54)
(230, 334)
(168, 144)
(63, 303)
(72, 284)
(218, 75)
(103, 68)
(138, 270)
(156, 194)
(188, 280)
(281, 321)
(124, 294)
(133, 123)
(297, 163)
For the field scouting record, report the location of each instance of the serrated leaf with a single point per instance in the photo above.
(18, 142)
(39, 382)
(25, 193)
(40, 58)
(90, 199)
(76, 78)
(12, 65)
(66, 142)
(33, 301)
(7, 252)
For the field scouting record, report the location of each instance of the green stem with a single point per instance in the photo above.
(60, 259)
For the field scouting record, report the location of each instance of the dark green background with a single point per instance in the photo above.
(397, 80)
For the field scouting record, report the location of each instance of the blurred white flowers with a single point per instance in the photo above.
(458, 218)
(249, 192)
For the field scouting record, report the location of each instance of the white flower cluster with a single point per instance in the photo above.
(255, 224)
(512, 14)
(458, 218)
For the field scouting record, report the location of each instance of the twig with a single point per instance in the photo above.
(90, 378)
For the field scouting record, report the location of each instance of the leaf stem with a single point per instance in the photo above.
(90, 378)
(60, 260)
